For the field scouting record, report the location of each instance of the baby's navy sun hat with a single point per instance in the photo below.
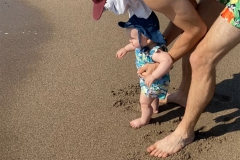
(148, 27)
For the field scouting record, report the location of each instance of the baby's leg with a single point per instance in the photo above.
(146, 110)
(155, 105)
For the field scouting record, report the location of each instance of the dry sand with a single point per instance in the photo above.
(64, 95)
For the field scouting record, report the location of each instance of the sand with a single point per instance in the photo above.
(64, 94)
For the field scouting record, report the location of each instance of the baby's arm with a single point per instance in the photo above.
(165, 64)
(123, 51)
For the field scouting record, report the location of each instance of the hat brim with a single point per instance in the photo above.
(98, 9)
(125, 25)
(154, 35)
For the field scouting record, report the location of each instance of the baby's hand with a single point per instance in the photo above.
(120, 53)
(149, 80)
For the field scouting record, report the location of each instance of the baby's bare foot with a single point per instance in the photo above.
(137, 123)
(155, 108)
(155, 111)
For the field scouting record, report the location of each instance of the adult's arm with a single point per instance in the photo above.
(184, 16)
(172, 31)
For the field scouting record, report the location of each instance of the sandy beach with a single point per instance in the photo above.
(65, 96)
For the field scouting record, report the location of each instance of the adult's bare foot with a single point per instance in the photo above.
(169, 145)
(175, 97)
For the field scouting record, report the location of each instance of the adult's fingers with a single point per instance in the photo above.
(142, 69)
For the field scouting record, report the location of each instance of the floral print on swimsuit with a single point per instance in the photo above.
(231, 13)
(160, 86)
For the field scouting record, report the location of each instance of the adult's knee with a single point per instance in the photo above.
(200, 62)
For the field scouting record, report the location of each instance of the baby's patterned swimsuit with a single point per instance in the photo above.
(160, 86)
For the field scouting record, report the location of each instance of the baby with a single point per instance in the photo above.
(149, 45)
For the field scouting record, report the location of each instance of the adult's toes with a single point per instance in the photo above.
(153, 152)
(158, 153)
(164, 155)
(150, 148)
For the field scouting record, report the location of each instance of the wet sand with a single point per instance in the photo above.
(64, 95)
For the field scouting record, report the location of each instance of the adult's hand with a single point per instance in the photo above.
(147, 69)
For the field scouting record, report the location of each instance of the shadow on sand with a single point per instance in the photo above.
(226, 97)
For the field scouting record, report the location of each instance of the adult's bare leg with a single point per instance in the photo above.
(203, 60)
(180, 96)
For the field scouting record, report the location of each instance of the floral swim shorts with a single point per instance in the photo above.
(231, 12)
